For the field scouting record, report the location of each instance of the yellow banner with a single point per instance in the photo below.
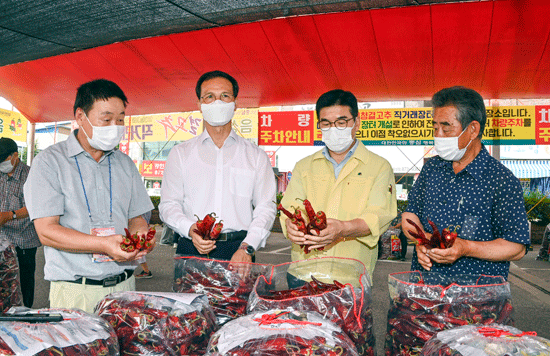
(506, 125)
(183, 126)
(163, 127)
(13, 125)
(245, 123)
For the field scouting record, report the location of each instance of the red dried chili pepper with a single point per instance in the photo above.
(436, 241)
(205, 225)
(309, 209)
(134, 242)
(321, 220)
(216, 230)
(419, 234)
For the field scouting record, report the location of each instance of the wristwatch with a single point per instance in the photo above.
(14, 216)
(248, 249)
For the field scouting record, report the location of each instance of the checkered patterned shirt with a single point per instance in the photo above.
(20, 232)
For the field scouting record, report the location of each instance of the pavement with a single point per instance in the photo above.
(529, 281)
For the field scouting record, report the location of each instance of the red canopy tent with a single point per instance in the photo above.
(498, 47)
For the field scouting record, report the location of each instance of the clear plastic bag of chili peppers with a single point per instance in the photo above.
(337, 288)
(281, 332)
(78, 333)
(423, 304)
(227, 285)
(155, 324)
(10, 291)
(484, 340)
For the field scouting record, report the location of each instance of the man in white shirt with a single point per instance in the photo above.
(219, 172)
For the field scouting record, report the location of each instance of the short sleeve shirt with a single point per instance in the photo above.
(483, 202)
(20, 232)
(55, 187)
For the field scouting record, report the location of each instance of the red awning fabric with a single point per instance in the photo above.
(500, 48)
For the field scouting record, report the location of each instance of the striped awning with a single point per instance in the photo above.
(528, 169)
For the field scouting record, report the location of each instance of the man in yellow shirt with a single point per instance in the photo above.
(353, 186)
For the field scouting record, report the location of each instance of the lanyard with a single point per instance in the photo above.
(110, 189)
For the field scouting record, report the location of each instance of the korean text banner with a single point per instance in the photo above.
(163, 127)
(153, 169)
(13, 125)
(285, 128)
(506, 125)
(245, 124)
(184, 125)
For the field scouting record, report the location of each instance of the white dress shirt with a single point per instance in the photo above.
(236, 182)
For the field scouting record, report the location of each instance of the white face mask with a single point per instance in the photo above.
(447, 147)
(218, 113)
(337, 140)
(105, 138)
(6, 166)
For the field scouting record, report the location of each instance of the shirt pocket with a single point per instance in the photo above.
(355, 194)
(241, 182)
(14, 203)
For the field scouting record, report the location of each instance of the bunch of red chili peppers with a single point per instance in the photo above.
(443, 240)
(70, 331)
(418, 311)
(308, 289)
(227, 290)
(282, 333)
(484, 339)
(317, 221)
(134, 242)
(208, 228)
(347, 307)
(10, 291)
(154, 325)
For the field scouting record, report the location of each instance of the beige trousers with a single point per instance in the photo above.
(84, 296)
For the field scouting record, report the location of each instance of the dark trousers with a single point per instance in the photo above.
(224, 249)
(543, 252)
(27, 266)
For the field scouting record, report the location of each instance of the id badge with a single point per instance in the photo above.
(106, 229)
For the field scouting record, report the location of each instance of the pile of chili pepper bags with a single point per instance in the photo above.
(79, 333)
(277, 332)
(227, 285)
(155, 324)
(423, 304)
(486, 340)
(349, 308)
(10, 291)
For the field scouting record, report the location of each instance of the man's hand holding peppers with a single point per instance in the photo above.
(494, 250)
(202, 245)
(324, 233)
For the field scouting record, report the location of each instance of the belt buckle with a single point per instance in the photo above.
(222, 237)
(111, 281)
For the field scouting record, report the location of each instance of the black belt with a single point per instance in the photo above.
(107, 282)
(232, 236)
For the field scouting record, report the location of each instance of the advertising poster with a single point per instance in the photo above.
(13, 125)
(152, 169)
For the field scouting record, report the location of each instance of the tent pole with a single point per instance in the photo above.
(30, 143)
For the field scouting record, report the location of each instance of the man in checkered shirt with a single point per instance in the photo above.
(15, 225)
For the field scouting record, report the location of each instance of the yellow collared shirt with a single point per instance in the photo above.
(365, 188)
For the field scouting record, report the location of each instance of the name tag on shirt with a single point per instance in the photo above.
(101, 231)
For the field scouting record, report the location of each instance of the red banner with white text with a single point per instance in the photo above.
(288, 128)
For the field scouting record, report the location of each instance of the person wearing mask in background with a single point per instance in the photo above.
(81, 194)
(15, 225)
(353, 186)
(467, 189)
(219, 172)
